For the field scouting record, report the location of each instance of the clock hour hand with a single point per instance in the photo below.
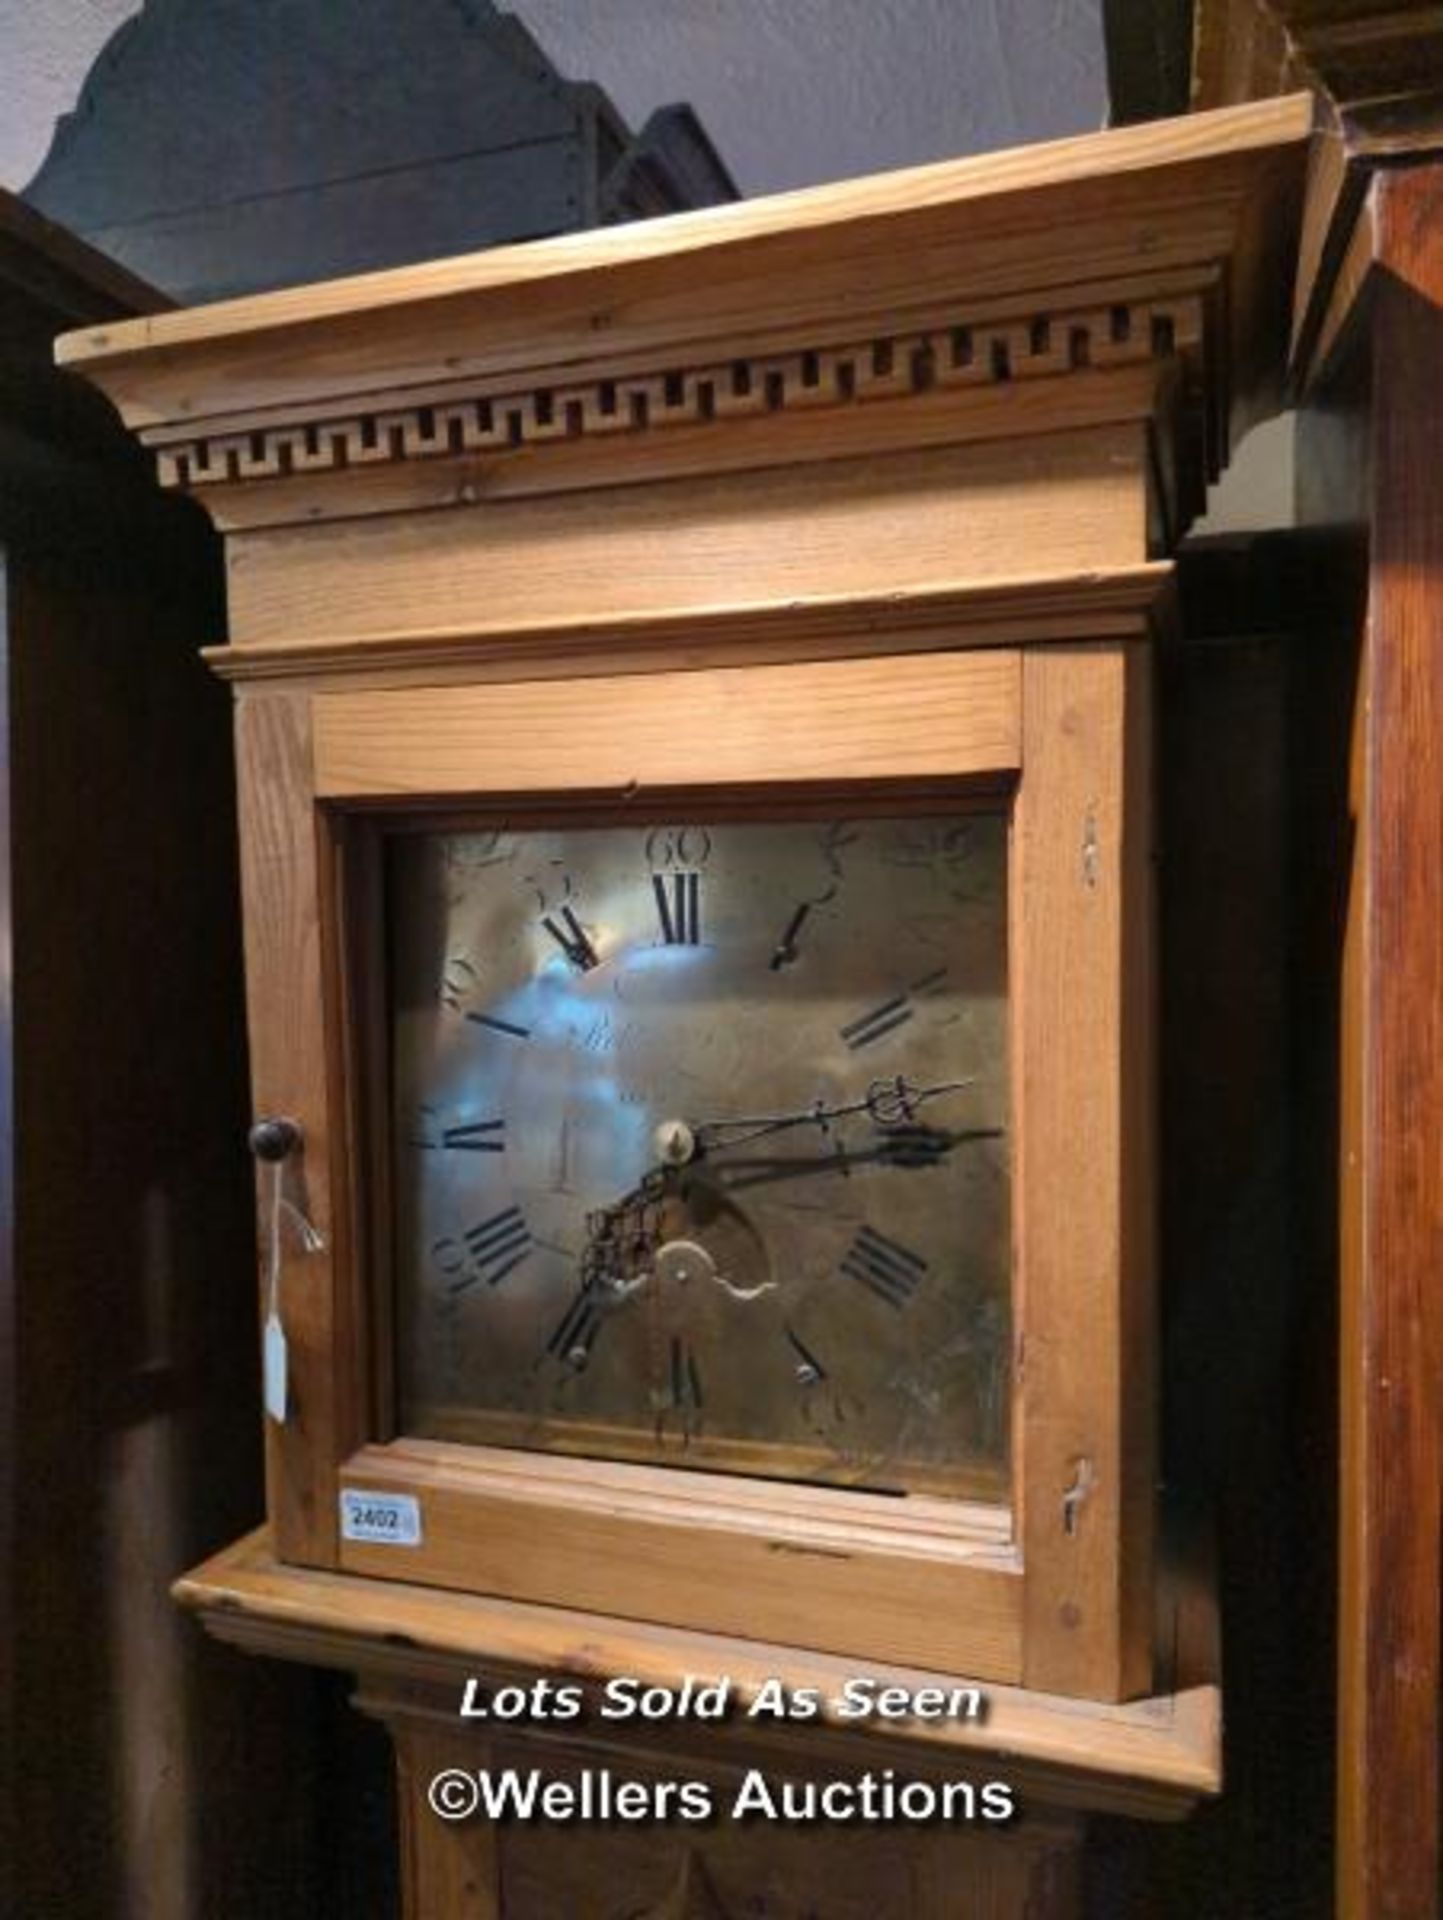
(890, 1103)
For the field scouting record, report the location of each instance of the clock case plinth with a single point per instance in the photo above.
(907, 452)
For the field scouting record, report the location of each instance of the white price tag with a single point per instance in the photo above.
(273, 1369)
(383, 1519)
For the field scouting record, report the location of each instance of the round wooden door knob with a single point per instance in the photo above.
(275, 1139)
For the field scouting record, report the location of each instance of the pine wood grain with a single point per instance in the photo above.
(449, 1870)
(1087, 395)
(717, 1871)
(1031, 608)
(935, 716)
(1016, 191)
(699, 545)
(761, 570)
(1127, 277)
(794, 1578)
(1082, 1033)
(281, 892)
(1153, 1758)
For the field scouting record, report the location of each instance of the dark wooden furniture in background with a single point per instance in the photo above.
(223, 148)
(143, 1775)
(1366, 361)
(1252, 755)
(1149, 51)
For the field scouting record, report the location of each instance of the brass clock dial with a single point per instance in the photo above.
(700, 1144)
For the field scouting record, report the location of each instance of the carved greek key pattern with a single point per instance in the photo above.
(891, 368)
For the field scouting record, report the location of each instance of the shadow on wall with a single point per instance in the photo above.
(219, 148)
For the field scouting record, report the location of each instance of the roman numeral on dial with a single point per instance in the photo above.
(494, 1249)
(476, 1136)
(566, 930)
(891, 1271)
(678, 904)
(466, 1136)
(458, 979)
(576, 1332)
(807, 1368)
(890, 1014)
(496, 1025)
(881, 1020)
(678, 1393)
(684, 1376)
(785, 951)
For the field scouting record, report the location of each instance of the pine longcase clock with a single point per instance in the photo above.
(693, 693)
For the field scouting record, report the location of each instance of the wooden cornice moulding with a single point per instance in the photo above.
(473, 437)
(916, 298)
(1118, 604)
(943, 353)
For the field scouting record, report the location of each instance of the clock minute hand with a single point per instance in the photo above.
(917, 1147)
(891, 1103)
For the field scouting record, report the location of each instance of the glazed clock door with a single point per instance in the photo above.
(699, 1140)
(735, 1057)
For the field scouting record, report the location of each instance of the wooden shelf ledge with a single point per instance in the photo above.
(1150, 1759)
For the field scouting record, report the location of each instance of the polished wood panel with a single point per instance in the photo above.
(1391, 1699)
(1369, 307)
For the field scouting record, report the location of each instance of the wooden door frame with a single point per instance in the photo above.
(1066, 1605)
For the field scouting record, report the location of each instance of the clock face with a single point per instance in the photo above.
(700, 1150)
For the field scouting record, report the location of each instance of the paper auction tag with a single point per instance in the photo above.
(383, 1519)
(274, 1369)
